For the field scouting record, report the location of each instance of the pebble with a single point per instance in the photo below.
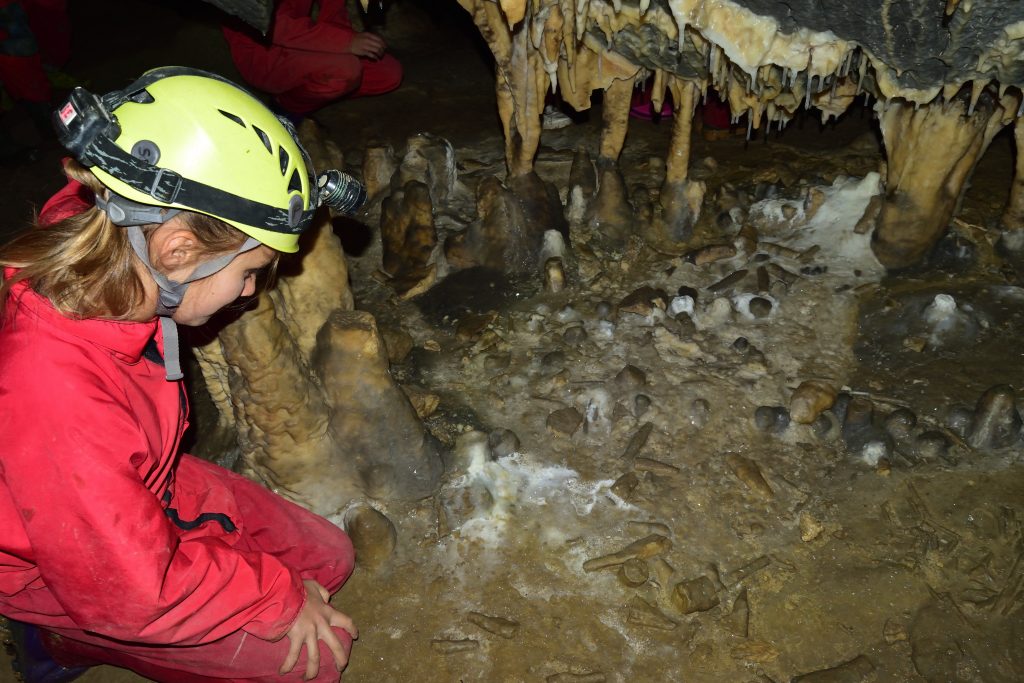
(575, 335)
(763, 281)
(372, 534)
(959, 419)
(894, 632)
(699, 413)
(719, 311)
(746, 571)
(553, 360)
(900, 423)
(810, 528)
(603, 309)
(931, 445)
(638, 440)
(728, 281)
(643, 301)
(606, 329)
(695, 595)
(748, 471)
(503, 443)
(741, 344)
(860, 412)
(448, 647)
(810, 399)
(681, 305)
(854, 671)
(629, 379)
(654, 467)
(634, 572)
(759, 307)
(685, 290)
(825, 425)
(506, 628)
(996, 422)
(565, 421)
(710, 254)
(568, 314)
(841, 404)
(554, 275)
(642, 613)
(738, 620)
(648, 546)
(771, 419)
(641, 402)
(625, 485)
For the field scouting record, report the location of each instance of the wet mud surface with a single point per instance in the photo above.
(656, 514)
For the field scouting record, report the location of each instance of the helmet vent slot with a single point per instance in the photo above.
(234, 118)
(295, 184)
(141, 97)
(265, 139)
(284, 158)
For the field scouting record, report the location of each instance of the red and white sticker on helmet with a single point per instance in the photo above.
(67, 114)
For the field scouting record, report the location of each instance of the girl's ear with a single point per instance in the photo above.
(173, 249)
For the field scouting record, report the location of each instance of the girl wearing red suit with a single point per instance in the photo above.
(114, 547)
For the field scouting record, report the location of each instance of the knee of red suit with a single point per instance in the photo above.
(352, 77)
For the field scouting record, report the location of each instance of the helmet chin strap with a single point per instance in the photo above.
(132, 215)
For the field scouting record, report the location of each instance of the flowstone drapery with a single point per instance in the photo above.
(923, 61)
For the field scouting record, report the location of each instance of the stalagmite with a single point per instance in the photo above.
(297, 398)
(1013, 219)
(931, 152)
(680, 197)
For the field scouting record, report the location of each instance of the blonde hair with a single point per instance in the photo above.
(85, 265)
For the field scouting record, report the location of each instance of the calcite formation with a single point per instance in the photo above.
(946, 78)
(303, 380)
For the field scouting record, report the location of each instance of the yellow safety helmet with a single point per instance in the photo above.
(187, 139)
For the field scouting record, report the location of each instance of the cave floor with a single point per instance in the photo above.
(811, 557)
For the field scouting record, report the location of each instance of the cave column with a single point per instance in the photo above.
(615, 118)
(1013, 219)
(680, 197)
(931, 151)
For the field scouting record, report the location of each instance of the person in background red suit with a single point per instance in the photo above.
(311, 58)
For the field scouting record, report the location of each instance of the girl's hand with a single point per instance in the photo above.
(368, 45)
(312, 625)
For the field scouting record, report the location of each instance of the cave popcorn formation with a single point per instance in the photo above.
(946, 79)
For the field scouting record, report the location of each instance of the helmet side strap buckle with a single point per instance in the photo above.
(165, 186)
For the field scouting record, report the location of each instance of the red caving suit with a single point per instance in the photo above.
(304, 62)
(134, 556)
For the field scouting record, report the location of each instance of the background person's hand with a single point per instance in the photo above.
(313, 625)
(368, 45)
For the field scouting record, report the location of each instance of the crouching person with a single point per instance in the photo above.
(114, 547)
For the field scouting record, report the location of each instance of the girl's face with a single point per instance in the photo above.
(205, 297)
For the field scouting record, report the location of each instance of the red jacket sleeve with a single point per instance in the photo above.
(295, 28)
(101, 540)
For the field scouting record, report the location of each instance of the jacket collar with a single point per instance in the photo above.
(124, 339)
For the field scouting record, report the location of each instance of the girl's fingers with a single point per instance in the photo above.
(293, 656)
(336, 648)
(312, 657)
(342, 620)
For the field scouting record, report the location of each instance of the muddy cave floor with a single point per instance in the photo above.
(915, 565)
